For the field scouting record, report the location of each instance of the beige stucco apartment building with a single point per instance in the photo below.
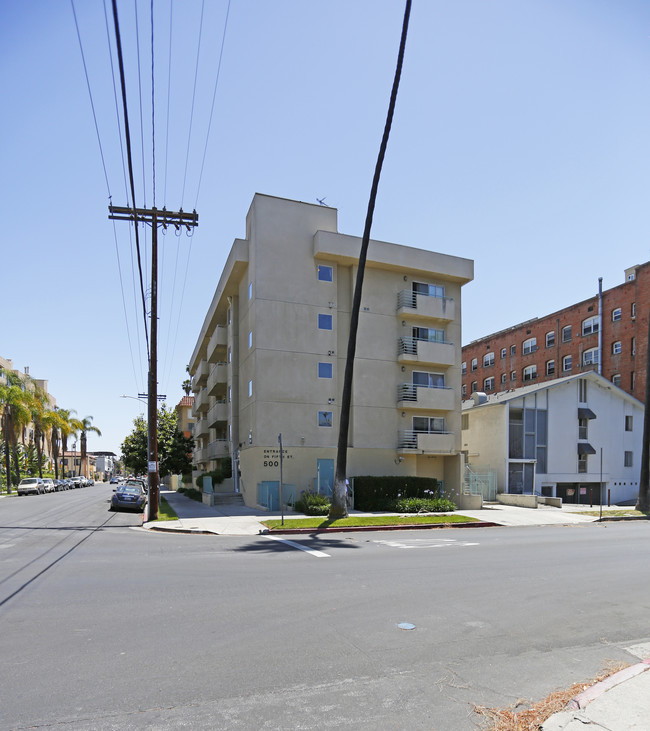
(270, 357)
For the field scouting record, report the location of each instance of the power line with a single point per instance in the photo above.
(196, 73)
(214, 96)
(130, 161)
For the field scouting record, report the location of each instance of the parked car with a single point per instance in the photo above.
(48, 484)
(139, 482)
(75, 482)
(60, 485)
(115, 480)
(29, 485)
(129, 497)
(91, 481)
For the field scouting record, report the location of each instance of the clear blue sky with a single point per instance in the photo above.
(521, 141)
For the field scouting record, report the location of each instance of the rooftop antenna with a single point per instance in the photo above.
(321, 201)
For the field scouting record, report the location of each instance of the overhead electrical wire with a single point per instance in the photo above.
(129, 158)
(108, 187)
(196, 73)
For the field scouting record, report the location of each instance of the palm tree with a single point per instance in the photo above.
(16, 415)
(187, 386)
(86, 426)
(68, 426)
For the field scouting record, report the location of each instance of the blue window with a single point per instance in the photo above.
(324, 418)
(324, 370)
(325, 273)
(324, 322)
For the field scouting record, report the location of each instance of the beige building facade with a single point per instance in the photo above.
(270, 357)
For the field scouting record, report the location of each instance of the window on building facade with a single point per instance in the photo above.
(616, 314)
(488, 384)
(464, 422)
(229, 394)
(229, 355)
(229, 316)
(513, 375)
(582, 390)
(550, 367)
(633, 309)
(250, 388)
(463, 368)
(590, 325)
(632, 380)
(429, 334)
(463, 390)
(629, 422)
(250, 290)
(250, 338)
(582, 464)
(429, 424)
(504, 378)
(529, 346)
(633, 346)
(616, 379)
(583, 428)
(513, 350)
(324, 418)
(567, 363)
(566, 333)
(627, 461)
(550, 339)
(423, 379)
(324, 370)
(488, 360)
(474, 363)
(616, 347)
(430, 290)
(530, 372)
(590, 357)
(474, 386)
(325, 273)
(528, 435)
(503, 353)
(325, 322)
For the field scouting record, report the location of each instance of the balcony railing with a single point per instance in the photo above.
(426, 397)
(218, 412)
(426, 351)
(423, 305)
(427, 442)
(201, 376)
(218, 378)
(201, 402)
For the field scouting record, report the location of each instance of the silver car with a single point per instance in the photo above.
(30, 485)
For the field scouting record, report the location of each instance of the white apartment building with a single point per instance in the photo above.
(558, 438)
(270, 357)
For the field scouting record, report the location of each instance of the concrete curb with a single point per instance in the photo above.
(361, 528)
(581, 700)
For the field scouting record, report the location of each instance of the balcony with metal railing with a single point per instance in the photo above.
(218, 344)
(200, 455)
(410, 396)
(218, 379)
(410, 441)
(413, 350)
(218, 412)
(414, 305)
(201, 428)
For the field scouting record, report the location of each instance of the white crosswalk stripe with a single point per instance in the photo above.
(425, 543)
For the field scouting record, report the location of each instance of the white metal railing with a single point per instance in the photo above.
(409, 391)
(409, 345)
(408, 438)
(408, 298)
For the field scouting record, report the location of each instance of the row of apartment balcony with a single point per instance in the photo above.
(417, 305)
(216, 449)
(415, 350)
(410, 396)
(218, 344)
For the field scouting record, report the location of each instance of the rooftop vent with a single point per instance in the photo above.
(479, 398)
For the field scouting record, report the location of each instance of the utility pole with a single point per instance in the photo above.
(156, 218)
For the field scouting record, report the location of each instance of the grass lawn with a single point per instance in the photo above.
(360, 521)
(165, 511)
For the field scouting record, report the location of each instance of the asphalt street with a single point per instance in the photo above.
(108, 626)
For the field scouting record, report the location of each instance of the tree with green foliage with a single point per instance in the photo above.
(174, 449)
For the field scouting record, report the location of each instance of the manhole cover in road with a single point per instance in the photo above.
(406, 625)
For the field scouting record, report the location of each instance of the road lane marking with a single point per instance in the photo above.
(313, 551)
(426, 543)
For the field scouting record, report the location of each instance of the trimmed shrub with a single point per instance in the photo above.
(311, 503)
(191, 493)
(379, 492)
(422, 505)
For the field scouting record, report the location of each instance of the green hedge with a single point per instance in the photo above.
(311, 503)
(373, 492)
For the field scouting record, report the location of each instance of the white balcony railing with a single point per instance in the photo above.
(218, 448)
(426, 397)
(427, 306)
(426, 351)
(427, 442)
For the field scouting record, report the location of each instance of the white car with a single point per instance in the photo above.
(31, 485)
(48, 484)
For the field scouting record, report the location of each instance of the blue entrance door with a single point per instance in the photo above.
(325, 476)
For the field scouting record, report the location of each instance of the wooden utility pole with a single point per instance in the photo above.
(155, 218)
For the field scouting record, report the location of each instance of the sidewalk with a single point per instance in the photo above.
(618, 703)
(238, 520)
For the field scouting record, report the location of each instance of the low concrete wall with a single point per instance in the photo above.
(520, 501)
(469, 502)
(554, 502)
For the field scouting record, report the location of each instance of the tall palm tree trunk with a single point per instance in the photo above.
(339, 508)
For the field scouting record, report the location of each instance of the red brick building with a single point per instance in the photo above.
(607, 333)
